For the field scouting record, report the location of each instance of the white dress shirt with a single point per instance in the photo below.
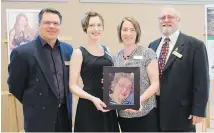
(173, 39)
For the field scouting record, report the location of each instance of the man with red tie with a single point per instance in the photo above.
(184, 75)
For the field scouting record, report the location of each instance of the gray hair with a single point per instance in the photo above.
(118, 76)
(175, 11)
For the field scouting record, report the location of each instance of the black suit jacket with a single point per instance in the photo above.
(30, 81)
(184, 85)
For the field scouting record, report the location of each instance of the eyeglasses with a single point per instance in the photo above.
(129, 88)
(170, 17)
(50, 22)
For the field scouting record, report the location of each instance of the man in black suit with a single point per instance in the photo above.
(184, 77)
(38, 77)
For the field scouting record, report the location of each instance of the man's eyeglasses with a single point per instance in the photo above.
(50, 22)
(170, 17)
(129, 88)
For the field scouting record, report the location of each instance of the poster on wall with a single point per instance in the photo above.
(209, 26)
(22, 27)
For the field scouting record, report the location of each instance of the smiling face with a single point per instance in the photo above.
(128, 33)
(95, 28)
(168, 21)
(122, 88)
(50, 26)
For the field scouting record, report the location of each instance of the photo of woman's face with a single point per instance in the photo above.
(123, 88)
(22, 21)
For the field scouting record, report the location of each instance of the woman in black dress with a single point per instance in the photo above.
(88, 61)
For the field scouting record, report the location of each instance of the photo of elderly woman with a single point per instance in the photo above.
(21, 27)
(122, 89)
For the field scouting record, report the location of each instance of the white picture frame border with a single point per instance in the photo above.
(151, 1)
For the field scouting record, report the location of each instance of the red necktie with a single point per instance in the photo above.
(163, 55)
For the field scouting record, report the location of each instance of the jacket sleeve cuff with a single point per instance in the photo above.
(197, 111)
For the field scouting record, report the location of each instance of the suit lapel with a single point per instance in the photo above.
(43, 63)
(63, 55)
(156, 44)
(178, 47)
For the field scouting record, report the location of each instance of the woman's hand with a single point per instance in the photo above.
(134, 111)
(99, 104)
(131, 110)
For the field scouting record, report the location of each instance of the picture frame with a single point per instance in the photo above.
(121, 87)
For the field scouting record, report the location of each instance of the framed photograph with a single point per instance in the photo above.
(121, 87)
(22, 27)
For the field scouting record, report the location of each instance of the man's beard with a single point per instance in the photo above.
(166, 31)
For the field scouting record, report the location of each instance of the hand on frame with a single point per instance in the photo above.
(134, 111)
(99, 104)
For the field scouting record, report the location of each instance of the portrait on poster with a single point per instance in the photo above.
(121, 87)
(22, 27)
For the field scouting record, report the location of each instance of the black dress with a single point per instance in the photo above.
(88, 118)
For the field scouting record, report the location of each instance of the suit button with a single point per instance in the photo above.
(43, 107)
(40, 94)
(37, 80)
(58, 98)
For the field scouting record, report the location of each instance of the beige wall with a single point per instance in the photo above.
(192, 22)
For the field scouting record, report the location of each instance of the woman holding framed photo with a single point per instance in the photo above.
(134, 55)
(88, 61)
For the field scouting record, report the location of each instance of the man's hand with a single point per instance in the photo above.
(195, 119)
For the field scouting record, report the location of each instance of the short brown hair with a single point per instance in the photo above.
(49, 10)
(85, 20)
(135, 24)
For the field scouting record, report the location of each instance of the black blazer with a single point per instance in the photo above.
(30, 81)
(184, 85)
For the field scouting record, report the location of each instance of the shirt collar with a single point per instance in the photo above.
(173, 37)
(44, 43)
